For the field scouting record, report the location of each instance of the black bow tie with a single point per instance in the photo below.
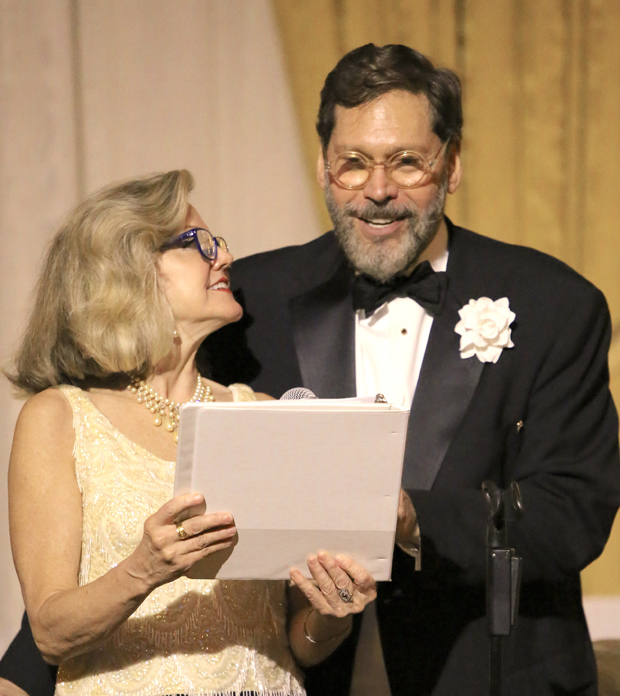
(424, 285)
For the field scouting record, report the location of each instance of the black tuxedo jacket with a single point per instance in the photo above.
(298, 330)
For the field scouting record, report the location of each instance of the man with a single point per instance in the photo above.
(514, 386)
(520, 392)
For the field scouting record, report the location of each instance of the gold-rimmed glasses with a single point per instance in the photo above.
(407, 168)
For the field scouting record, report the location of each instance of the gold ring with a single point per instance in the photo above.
(181, 531)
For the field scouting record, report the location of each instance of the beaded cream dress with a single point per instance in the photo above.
(194, 637)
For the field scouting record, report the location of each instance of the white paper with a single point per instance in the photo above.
(298, 476)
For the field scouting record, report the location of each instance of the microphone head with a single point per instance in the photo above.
(298, 393)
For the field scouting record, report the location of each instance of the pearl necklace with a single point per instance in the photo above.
(164, 408)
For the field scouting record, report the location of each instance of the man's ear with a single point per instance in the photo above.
(320, 169)
(455, 169)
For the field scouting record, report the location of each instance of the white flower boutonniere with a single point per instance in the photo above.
(485, 328)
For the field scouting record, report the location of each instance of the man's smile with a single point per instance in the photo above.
(379, 227)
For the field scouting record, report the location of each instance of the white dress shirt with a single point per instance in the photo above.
(389, 349)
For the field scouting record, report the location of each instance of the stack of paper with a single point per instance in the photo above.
(298, 476)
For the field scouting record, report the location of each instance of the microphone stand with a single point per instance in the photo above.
(503, 574)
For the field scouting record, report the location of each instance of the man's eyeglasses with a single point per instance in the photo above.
(207, 244)
(407, 169)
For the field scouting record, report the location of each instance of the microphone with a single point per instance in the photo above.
(298, 393)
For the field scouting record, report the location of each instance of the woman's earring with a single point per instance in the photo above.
(175, 334)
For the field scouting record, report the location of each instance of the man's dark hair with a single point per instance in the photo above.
(370, 71)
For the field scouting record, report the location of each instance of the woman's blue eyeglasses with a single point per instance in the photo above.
(207, 244)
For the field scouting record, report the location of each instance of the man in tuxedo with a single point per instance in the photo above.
(501, 352)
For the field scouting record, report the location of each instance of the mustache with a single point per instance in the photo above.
(370, 210)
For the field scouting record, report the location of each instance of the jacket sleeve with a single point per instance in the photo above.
(23, 665)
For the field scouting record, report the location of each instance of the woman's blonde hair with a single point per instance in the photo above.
(99, 310)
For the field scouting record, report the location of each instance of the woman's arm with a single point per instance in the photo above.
(320, 619)
(45, 510)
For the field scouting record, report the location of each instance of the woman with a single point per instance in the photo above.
(132, 284)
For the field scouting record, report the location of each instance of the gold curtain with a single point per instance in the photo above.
(542, 136)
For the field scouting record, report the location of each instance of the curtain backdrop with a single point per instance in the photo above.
(542, 132)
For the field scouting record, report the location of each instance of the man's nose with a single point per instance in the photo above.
(379, 187)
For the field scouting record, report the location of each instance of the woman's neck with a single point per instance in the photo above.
(175, 376)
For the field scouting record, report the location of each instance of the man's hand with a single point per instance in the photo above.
(407, 529)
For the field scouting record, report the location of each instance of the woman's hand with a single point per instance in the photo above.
(170, 548)
(321, 609)
(340, 587)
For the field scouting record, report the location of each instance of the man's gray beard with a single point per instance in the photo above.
(383, 258)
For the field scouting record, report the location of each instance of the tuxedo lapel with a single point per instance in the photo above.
(324, 335)
(443, 393)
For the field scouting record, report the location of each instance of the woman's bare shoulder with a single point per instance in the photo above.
(44, 437)
(47, 409)
(7, 688)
